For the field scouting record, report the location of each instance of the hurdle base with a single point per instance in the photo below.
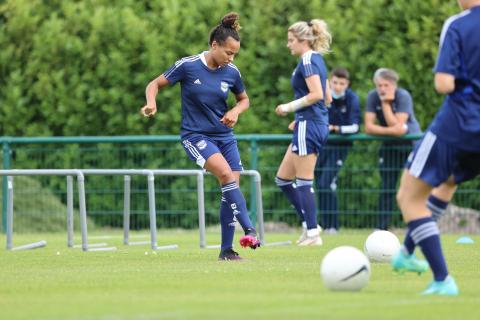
(167, 247)
(91, 245)
(30, 246)
(101, 249)
(275, 244)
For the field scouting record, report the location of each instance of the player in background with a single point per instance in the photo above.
(449, 153)
(308, 40)
(207, 124)
(343, 118)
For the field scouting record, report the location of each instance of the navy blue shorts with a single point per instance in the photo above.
(200, 147)
(309, 137)
(434, 161)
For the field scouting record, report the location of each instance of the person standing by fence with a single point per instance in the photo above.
(308, 40)
(343, 118)
(207, 123)
(389, 112)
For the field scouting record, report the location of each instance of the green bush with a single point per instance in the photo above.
(66, 64)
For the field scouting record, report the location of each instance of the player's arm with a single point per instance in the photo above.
(230, 118)
(353, 117)
(328, 94)
(444, 83)
(315, 94)
(397, 120)
(374, 129)
(151, 93)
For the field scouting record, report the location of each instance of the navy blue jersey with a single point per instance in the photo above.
(204, 95)
(311, 63)
(345, 112)
(458, 120)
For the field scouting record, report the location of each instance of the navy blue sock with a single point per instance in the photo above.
(437, 206)
(424, 232)
(235, 200)
(227, 223)
(408, 242)
(307, 198)
(291, 192)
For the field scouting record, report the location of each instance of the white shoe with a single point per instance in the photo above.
(303, 236)
(312, 238)
(311, 241)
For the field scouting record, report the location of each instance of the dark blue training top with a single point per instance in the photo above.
(458, 120)
(310, 64)
(204, 95)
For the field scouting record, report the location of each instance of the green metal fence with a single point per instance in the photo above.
(365, 186)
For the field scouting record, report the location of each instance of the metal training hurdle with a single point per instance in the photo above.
(151, 200)
(49, 172)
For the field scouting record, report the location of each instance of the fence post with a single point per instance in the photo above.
(6, 166)
(253, 166)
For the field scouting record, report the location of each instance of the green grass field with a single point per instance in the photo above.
(275, 283)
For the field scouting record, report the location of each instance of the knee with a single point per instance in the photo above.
(225, 176)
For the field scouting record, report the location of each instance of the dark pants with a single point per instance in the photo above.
(329, 162)
(391, 162)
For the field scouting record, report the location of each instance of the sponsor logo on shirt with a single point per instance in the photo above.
(197, 81)
(202, 144)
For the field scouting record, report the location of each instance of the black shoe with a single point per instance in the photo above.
(229, 254)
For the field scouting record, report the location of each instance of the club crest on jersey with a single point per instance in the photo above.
(202, 144)
(224, 86)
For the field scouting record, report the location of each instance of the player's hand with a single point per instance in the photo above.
(291, 126)
(278, 111)
(148, 111)
(388, 96)
(230, 118)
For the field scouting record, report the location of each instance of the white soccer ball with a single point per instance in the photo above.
(381, 245)
(345, 268)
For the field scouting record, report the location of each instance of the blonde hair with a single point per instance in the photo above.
(315, 32)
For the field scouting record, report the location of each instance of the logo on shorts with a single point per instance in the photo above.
(294, 148)
(202, 144)
(224, 86)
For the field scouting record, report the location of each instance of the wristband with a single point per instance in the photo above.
(294, 105)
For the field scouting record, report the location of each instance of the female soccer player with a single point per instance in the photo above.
(449, 153)
(207, 124)
(308, 40)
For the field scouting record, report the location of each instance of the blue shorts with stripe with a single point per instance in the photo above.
(200, 147)
(434, 161)
(309, 137)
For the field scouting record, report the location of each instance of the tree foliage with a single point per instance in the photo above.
(80, 67)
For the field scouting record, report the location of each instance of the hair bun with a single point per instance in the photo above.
(230, 20)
